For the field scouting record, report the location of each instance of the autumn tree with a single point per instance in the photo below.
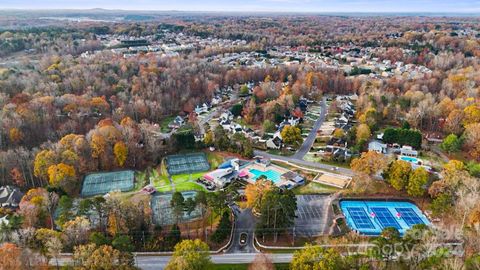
(472, 139)
(453, 123)
(33, 208)
(76, 231)
(369, 163)
(63, 175)
(255, 192)
(190, 255)
(16, 135)
(17, 177)
(417, 182)
(398, 174)
(10, 257)
(49, 243)
(208, 139)
(103, 257)
(43, 160)
(471, 115)
(363, 133)
(121, 151)
(291, 135)
(315, 257)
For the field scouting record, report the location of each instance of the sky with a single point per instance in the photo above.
(434, 6)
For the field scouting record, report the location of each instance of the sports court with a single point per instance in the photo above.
(102, 183)
(188, 163)
(162, 211)
(371, 217)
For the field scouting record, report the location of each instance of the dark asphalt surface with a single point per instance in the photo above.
(245, 223)
(308, 142)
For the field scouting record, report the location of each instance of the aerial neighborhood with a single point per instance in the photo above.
(137, 140)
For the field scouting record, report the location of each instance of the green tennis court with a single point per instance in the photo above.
(188, 163)
(102, 183)
(162, 210)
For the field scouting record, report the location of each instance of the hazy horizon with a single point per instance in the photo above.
(288, 6)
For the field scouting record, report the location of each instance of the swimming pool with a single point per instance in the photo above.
(371, 217)
(272, 175)
(409, 159)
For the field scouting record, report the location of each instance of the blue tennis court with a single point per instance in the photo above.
(360, 218)
(371, 217)
(409, 216)
(385, 218)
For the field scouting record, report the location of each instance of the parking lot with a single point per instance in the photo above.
(313, 215)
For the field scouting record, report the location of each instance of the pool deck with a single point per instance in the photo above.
(371, 217)
(256, 166)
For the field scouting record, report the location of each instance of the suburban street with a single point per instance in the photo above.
(156, 262)
(308, 142)
(297, 158)
(302, 162)
(159, 262)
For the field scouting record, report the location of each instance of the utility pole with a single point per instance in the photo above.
(275, 226)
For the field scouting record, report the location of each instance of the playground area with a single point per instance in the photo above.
(102, 183)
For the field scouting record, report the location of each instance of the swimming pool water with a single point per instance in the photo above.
(371, 217)
(409, 159)
(270, 174)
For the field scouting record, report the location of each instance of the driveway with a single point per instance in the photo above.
(308, 142)
(245, 223)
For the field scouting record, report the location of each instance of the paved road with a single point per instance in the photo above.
(308, 142)
(159, 262)
(302, 162)
(297, 158)
(244, 223)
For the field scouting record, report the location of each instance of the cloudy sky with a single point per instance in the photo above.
(464, 6)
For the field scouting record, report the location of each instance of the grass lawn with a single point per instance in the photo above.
(278, 266)
(164, 123)
(214, 159)
(278, 152)
(313, 188)
(310, 157)
(159, 177)
(186, 181)
(140, 180)
(160, 181)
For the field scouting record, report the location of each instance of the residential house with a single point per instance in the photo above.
(200, 109)
(177, 122)
(10, 196)
(377, 146)
(408, 151)
(275, 142)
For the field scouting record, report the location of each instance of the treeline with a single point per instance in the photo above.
(403, 137)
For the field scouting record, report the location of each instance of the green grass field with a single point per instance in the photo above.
(186, 181)
(164, 123)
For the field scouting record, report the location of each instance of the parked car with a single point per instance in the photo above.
(243, 239)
